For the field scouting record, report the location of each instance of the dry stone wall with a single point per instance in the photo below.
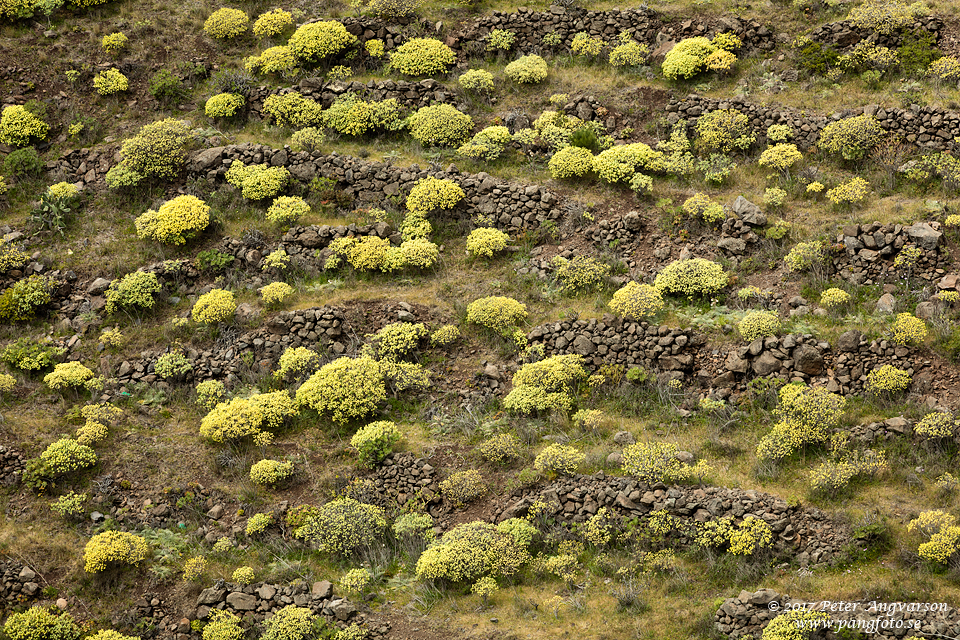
(12, 464)
(844, 35)
(806, 534)
(750, 612)
(869, 251)
(19, 584)
(927, 127)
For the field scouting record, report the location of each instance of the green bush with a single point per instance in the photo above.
(851, 138)
(375, 441)
(422, 57)
(343, 526)
(257, 181)
(157, 151)
(22, 301)
(440, 125)
(293, 109)
(133, 292)
(18, 126)
(694, 278)
(527, 70)
(167, 87)
(28, 355)
(22, 162)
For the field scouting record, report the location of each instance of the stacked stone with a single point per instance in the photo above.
(870, 249)
(12, 464)
(843, 35)
(18, 584)
(403, 477)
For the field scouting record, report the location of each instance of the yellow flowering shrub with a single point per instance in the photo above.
(226, 23)
(316, 41)
(375, 48)
(114, 43)
(850, 192)
(210, 393)
(585, 45)
(571, 162)
(694, 277)
(69, 505)
(366, 253)
(157, 151)
(346, 389)
(501, 449)
(477, 80)
(280, 60)
(293, 110)
(806, 417)
(530, 69)
(307, 139)
(11, 257)
(272, 23)
(559, 459)
(290, 623)
(242, 417)
(353, 116)
(222, 625)
(470, 551)
(701, 206)
(488, 144)
(637, 301)
(223, 105)
(66, 375)
(132, 292)
(945, 69)
(549, 384)
(422, 57)
(275, 293)
(936, 425)
(887, 380)
(486, 241)
(724, 130)
(851, 138)
(175, 222)
(343, 526)
(25, 298)
(214, 306)
(270, 472)
(445, 335)
(258, 523)
(194, 567)
(257, 181)
(794, 625)
(758, 324)
(398, 340)
(296, 362)
(110, 82)
(112, 548)
(928, 523)
(431, 194)
(620, 162)
(907, 258)
(909, 329)
(66, 456)
(581, 274)
(804, 256)
(687, 58)
(7, 383)
(657, 462)
(172, 365)
(834, 298)
(497, 313)
(629, 53)
(745, 539)
(375, 441)
(720, 61)
(62, 191)
(39, 623)
(244, 575)
(440, 125)
(830, 478)
(884, 16)
(18, 126)
(463, 487)
(780, 157)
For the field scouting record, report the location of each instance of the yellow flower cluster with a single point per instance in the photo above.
(498, 313)
(272, 23)
(750, 536)
(637, 301)
(209, 393)
(223, 625)
(175, 222)
(486, 241)
(172, 365)
(887, 380)
(290, 623)
(908, 257)
(701, 206)
(629, 54)
(720, 61)
(559, 459)
(780, 157)
(530, 69)
(469, 551)
(38, 623)
(942, 546)
(194, 567)
(657, 462)
(62, 191)
(316, 41)
(882, 16)
(431, 194)
(226, 23)
(398, 340)
(66, 375)
(242, 417)
(477, 80)
(270, 472)
(463, 487)
(546, 385)
(621, 162)
(114, 43)
(488, 144)
(296, 362)
(92, 432)
(694, 277)
(571, 162)
(849, 192)
(792, 625)
(936, 425)
(257, 181)
(445, 335)
(11, 257)
(501, 449)
(375, 441)
(834, 298)
(17, 126)
(779, 133)
(832, 477)
(7, 383)
(584, 45)
(909, 329)
(724, 130)
(113, 547)
(867, 55)
(279, 59)
(500, 40)
(307, 139)
(258, 523)
(851, 138)
(244, 575)
(223, 105)
(214, 306)
(804, 256)
(293, 109)
(69, 505)
(275, 293)
(440, 125)
(581, 274)
(110, 82)
(947, 484)
(342, 526)
(375, 48)
(758, 324)
(945, 69)
(346, 389)
(422, 57)
(353, 116)
(157, 151)
(929, 523)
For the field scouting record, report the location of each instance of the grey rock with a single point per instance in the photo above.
(849, 341)
(343, 609)
(807, 359)
(924, 235)
(211, 596)
(216, 512)
(886, 304)
(242, 601)
(766, 364)
(624, 438)
(735, 246)
(27, 574)
(684, 456)
(98, 286)
(925, 310)
(615, 459)
(322, 589)
(583, 346)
